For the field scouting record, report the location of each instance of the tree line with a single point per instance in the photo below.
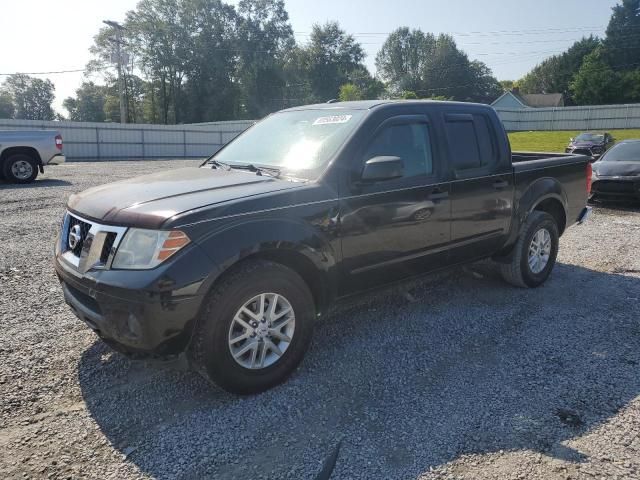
(595, 71)
(189, 61)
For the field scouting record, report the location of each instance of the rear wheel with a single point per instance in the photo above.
(20, 168)
(535, 252)
(255, 328)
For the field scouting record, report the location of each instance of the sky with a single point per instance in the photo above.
(510, 36)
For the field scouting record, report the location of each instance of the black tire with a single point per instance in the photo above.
(7, 168)
(518, 272)
(210, 353)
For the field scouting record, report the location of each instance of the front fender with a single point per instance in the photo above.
(292, 239)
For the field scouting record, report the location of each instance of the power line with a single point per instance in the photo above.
(44, 73)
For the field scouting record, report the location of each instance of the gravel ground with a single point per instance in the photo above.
(456, 376)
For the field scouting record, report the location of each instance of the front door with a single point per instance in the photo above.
(395, 228)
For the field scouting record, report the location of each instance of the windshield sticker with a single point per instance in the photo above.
(332, 120)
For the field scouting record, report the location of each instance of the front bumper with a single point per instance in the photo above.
(139, 312)
(589, 152)
(616, 188)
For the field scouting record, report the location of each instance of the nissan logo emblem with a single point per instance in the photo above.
(75, 236)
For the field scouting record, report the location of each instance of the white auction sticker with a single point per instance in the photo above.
(332, 120)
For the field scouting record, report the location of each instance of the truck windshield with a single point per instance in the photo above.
(299, 143)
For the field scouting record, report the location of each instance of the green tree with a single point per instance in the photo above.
(212, 90)
(555, 74)
(418, 62)
(6, 104)
(350, 92)
(403, 58)
(596, 83)
(622, 44)
(485, 87)
(32, 97)
(448, 72)
(88, 104)
(330, 59)
(264, 35)
(509, 84)
(409, 95)
(371, 87)
(630, 86)
(162, 33)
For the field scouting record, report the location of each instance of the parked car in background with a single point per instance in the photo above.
(23, 153)
(232, 262)
(616, 175)
(591, 144)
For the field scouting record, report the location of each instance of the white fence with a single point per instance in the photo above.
(114, 141)
(601, 117)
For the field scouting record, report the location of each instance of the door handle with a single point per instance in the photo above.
(500, 184)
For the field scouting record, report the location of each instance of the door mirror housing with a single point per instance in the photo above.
(571, 140)
(378, 169)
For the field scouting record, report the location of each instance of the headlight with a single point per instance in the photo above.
(145, 249)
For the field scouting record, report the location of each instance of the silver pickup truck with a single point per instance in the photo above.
(25, 152)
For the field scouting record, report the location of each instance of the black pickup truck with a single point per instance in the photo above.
(231, 262)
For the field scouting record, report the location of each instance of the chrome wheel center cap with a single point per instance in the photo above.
(262, 330)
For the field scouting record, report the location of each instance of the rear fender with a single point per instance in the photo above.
(541, 190)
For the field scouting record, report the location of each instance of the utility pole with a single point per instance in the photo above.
(118, 41)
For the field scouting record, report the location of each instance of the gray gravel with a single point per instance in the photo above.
(456, 376)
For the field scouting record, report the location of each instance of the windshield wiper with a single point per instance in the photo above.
(271, 171)
(218, 164)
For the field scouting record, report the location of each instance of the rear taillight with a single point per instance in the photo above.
(59, 142)
(589, 177)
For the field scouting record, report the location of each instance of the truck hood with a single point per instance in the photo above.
(150, 200)
(617, 169)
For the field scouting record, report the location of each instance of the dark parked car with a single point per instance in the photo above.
(616, 175)
(591, 144)
(232, 262)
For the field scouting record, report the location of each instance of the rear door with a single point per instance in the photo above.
(482, 186)
(396, 228)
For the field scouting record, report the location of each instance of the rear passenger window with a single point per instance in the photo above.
(463, 144)
(470, 141)
(411, 142)
(485, 140)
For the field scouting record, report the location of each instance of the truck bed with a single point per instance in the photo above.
(525, 161)
(559, 172)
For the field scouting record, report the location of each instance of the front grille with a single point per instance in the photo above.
(109, 242)
(611, 186)
(84, 231)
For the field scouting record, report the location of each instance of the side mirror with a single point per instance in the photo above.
(382, 168)
(571, 140)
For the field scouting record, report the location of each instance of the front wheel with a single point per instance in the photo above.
(255, 328)
(535, 252)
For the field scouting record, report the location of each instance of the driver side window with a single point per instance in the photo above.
(409, 141)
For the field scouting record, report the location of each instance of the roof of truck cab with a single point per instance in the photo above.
(371, 104)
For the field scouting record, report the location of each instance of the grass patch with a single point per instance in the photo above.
(556, 141)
